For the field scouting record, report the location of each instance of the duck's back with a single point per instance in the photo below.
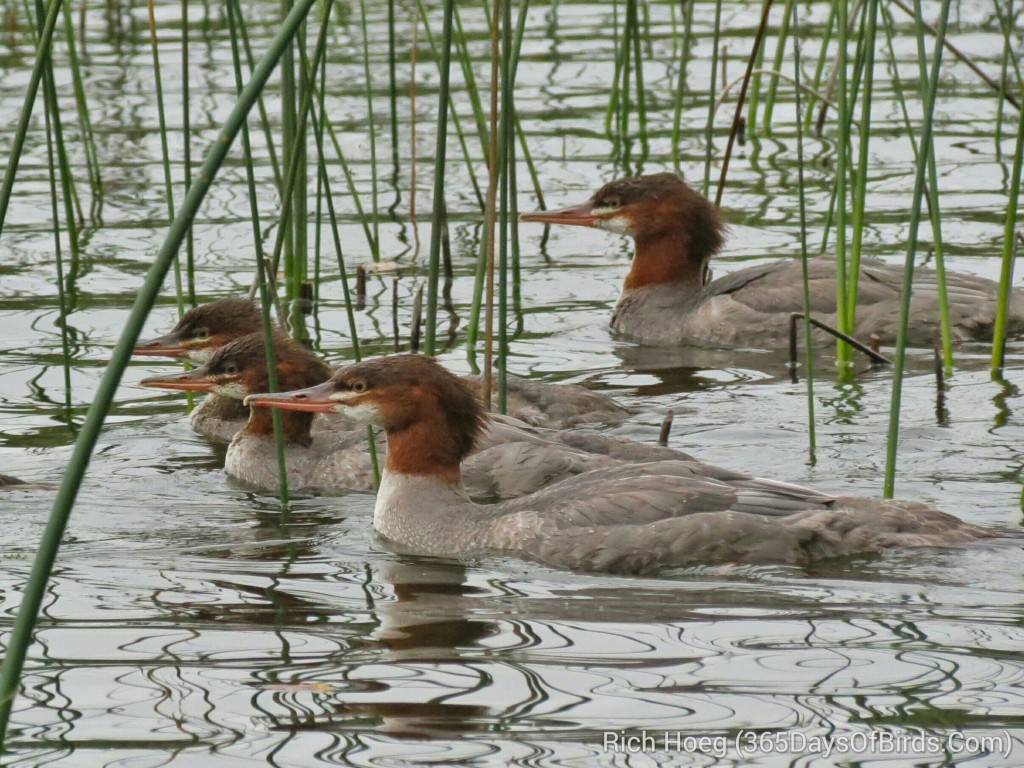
(558, 406)
(640, 518)
(751, 306)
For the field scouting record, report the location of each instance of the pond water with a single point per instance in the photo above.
(187, 624)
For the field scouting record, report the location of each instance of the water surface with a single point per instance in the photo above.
(187, 624)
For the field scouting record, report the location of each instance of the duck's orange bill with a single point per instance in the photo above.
(581, 215)
(313, 399)
(165, 346)
(189, 381)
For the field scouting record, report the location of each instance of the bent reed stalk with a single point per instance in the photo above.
(42, 566)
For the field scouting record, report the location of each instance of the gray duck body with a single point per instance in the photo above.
(751, 307)
(643, 517)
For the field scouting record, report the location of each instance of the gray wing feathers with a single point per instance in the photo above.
(777, 288)
(854, 526)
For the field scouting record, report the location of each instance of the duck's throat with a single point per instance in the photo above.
(664, 259)
(425, 514)
(425, 449)
(295, 425)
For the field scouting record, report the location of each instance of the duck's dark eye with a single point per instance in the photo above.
(358, 386)
(201, 333)
(230, 368)
(611, 202)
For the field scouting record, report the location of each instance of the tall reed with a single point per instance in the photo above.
(844, 355)
(18, 143)
(908, 265)
(791, 16)
(1009, 241)
(234, 13)
(440, 151)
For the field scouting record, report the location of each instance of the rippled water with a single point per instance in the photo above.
(187, 624)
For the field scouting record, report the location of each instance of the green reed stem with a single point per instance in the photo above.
(320, 176)
(932, 192)
(371, 123)
(758, 39)
(755, 88)
(66, 179)
(819, 70)
(350, 184)
(513, 217)
(18, 144)
(186, 129)
(268, 135)
(336, 234)
(70, 194)
(456, 122)
(440, 151)
(709, 126)
(641, 97)
(513, 208)
(392, 83)
(297, 272)
(42, 566)
(266, 301)
(677, 109)
(506, 139)
(82, 106)
(844, 354)
(472, 90)
(491, 209)
(517, 45)
(292, 145)
(621, 50)
(473, 322)
(1006, 270)
(59, 262)
(931, 189)
(861, 180)
(824, 99)
(294, 156)
(318, 133)
(804, 256)
(627, 65)
(908, 267)
(165, 154)
(773, 84)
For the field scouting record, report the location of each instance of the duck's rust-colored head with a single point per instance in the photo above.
(204, 329)
(431, 416)
(675, 228)
(239, 368)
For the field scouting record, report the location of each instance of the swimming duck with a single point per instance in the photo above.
(626, 519)
(207, 327)
(511, 458)
(200, 332)
(668, 299)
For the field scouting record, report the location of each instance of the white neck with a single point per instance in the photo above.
(425, 513)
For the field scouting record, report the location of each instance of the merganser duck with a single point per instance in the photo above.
(511, 458)
(623, 519)
(200, 332)
(207, 327)
(667, 298)
(9, 481)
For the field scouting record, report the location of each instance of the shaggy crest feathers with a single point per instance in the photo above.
(673, 201)
(297, 366)
(232, 317)
(428, 381)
